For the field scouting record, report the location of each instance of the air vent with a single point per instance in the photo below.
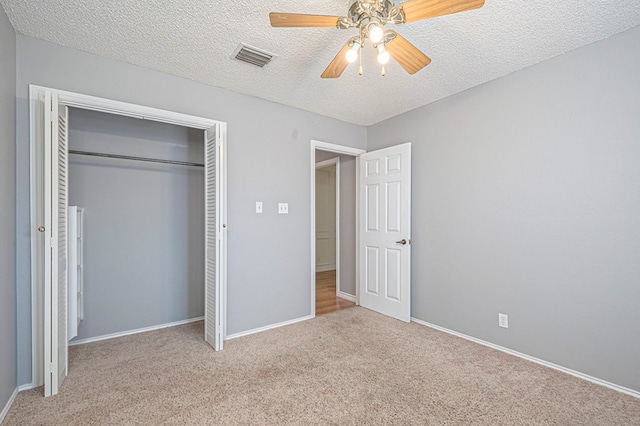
(252, 55)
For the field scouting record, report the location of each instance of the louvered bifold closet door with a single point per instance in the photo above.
(211, 317)
(56, 136)
(63, 258)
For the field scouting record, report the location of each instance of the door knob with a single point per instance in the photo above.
(402, 241)
(40, 228)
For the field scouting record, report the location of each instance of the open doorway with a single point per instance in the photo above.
(328, 297)
(382, 219)
(334, 230)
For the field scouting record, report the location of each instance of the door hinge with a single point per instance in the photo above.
(51, 368)
(50, 242)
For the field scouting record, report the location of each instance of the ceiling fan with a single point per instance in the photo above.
(370, 17)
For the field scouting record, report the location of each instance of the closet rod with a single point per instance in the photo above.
(127, 157)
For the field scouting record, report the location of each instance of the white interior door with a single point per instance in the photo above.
(326, 219)
(56, 204)
(213, 240)
(385, 231)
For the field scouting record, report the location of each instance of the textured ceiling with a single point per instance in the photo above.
(195, 39)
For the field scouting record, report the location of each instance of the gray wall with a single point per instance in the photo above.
(7, 210)
(268, 160)
(347, 219)
(143, 223)
(526, 201)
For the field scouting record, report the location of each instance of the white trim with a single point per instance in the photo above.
(130, 332)
(269, 327)
(8, 405)
(326, 163)
(327, 268)
(557, 367)
(221, 219)
(356, 220)
(338, 183)
(78, 100)
(37, 321)
(27, 386)
(338, 149)
(112, 107)
(347, 296)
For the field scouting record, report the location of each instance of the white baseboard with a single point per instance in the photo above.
(8, 405)
(346, 296)
(574, 373)
(129, 332)
(26, 386)
(268, 327)
(325, 268)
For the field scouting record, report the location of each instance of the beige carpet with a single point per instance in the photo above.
(351, 367)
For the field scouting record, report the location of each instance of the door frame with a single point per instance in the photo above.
(36, 144)
(337, 149)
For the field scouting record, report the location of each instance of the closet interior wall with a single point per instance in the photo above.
(144, 222)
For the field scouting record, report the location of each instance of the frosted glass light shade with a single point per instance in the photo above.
(375, 33)
(352, 54)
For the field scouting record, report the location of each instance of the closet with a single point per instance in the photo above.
(140, 185)
(151, 184)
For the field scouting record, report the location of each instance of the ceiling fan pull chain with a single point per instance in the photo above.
(360, 57)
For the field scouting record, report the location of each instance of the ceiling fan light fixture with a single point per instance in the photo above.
(383, 55)
(376, 33)
(370, 17)
(352, 54)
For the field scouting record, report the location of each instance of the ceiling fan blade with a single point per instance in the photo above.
(407, 55)
(416, 10)
(338, 65)
(300, 20)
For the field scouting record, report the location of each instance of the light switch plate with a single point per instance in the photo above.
(503, 320)
(258, 206)
(283, 208)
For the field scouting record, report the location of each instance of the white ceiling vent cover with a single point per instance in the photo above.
(252, 55)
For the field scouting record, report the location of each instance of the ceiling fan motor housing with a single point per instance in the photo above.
(371, 16)
(382, 11)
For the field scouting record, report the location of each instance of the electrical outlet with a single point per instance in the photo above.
(283, 208)
(258, 206)
(503, 320)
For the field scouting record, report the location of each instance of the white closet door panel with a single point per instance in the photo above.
(62, 149)
(56, 136)
(48, 257)
(213, 332)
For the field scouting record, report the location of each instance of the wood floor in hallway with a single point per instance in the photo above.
(326, 299)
